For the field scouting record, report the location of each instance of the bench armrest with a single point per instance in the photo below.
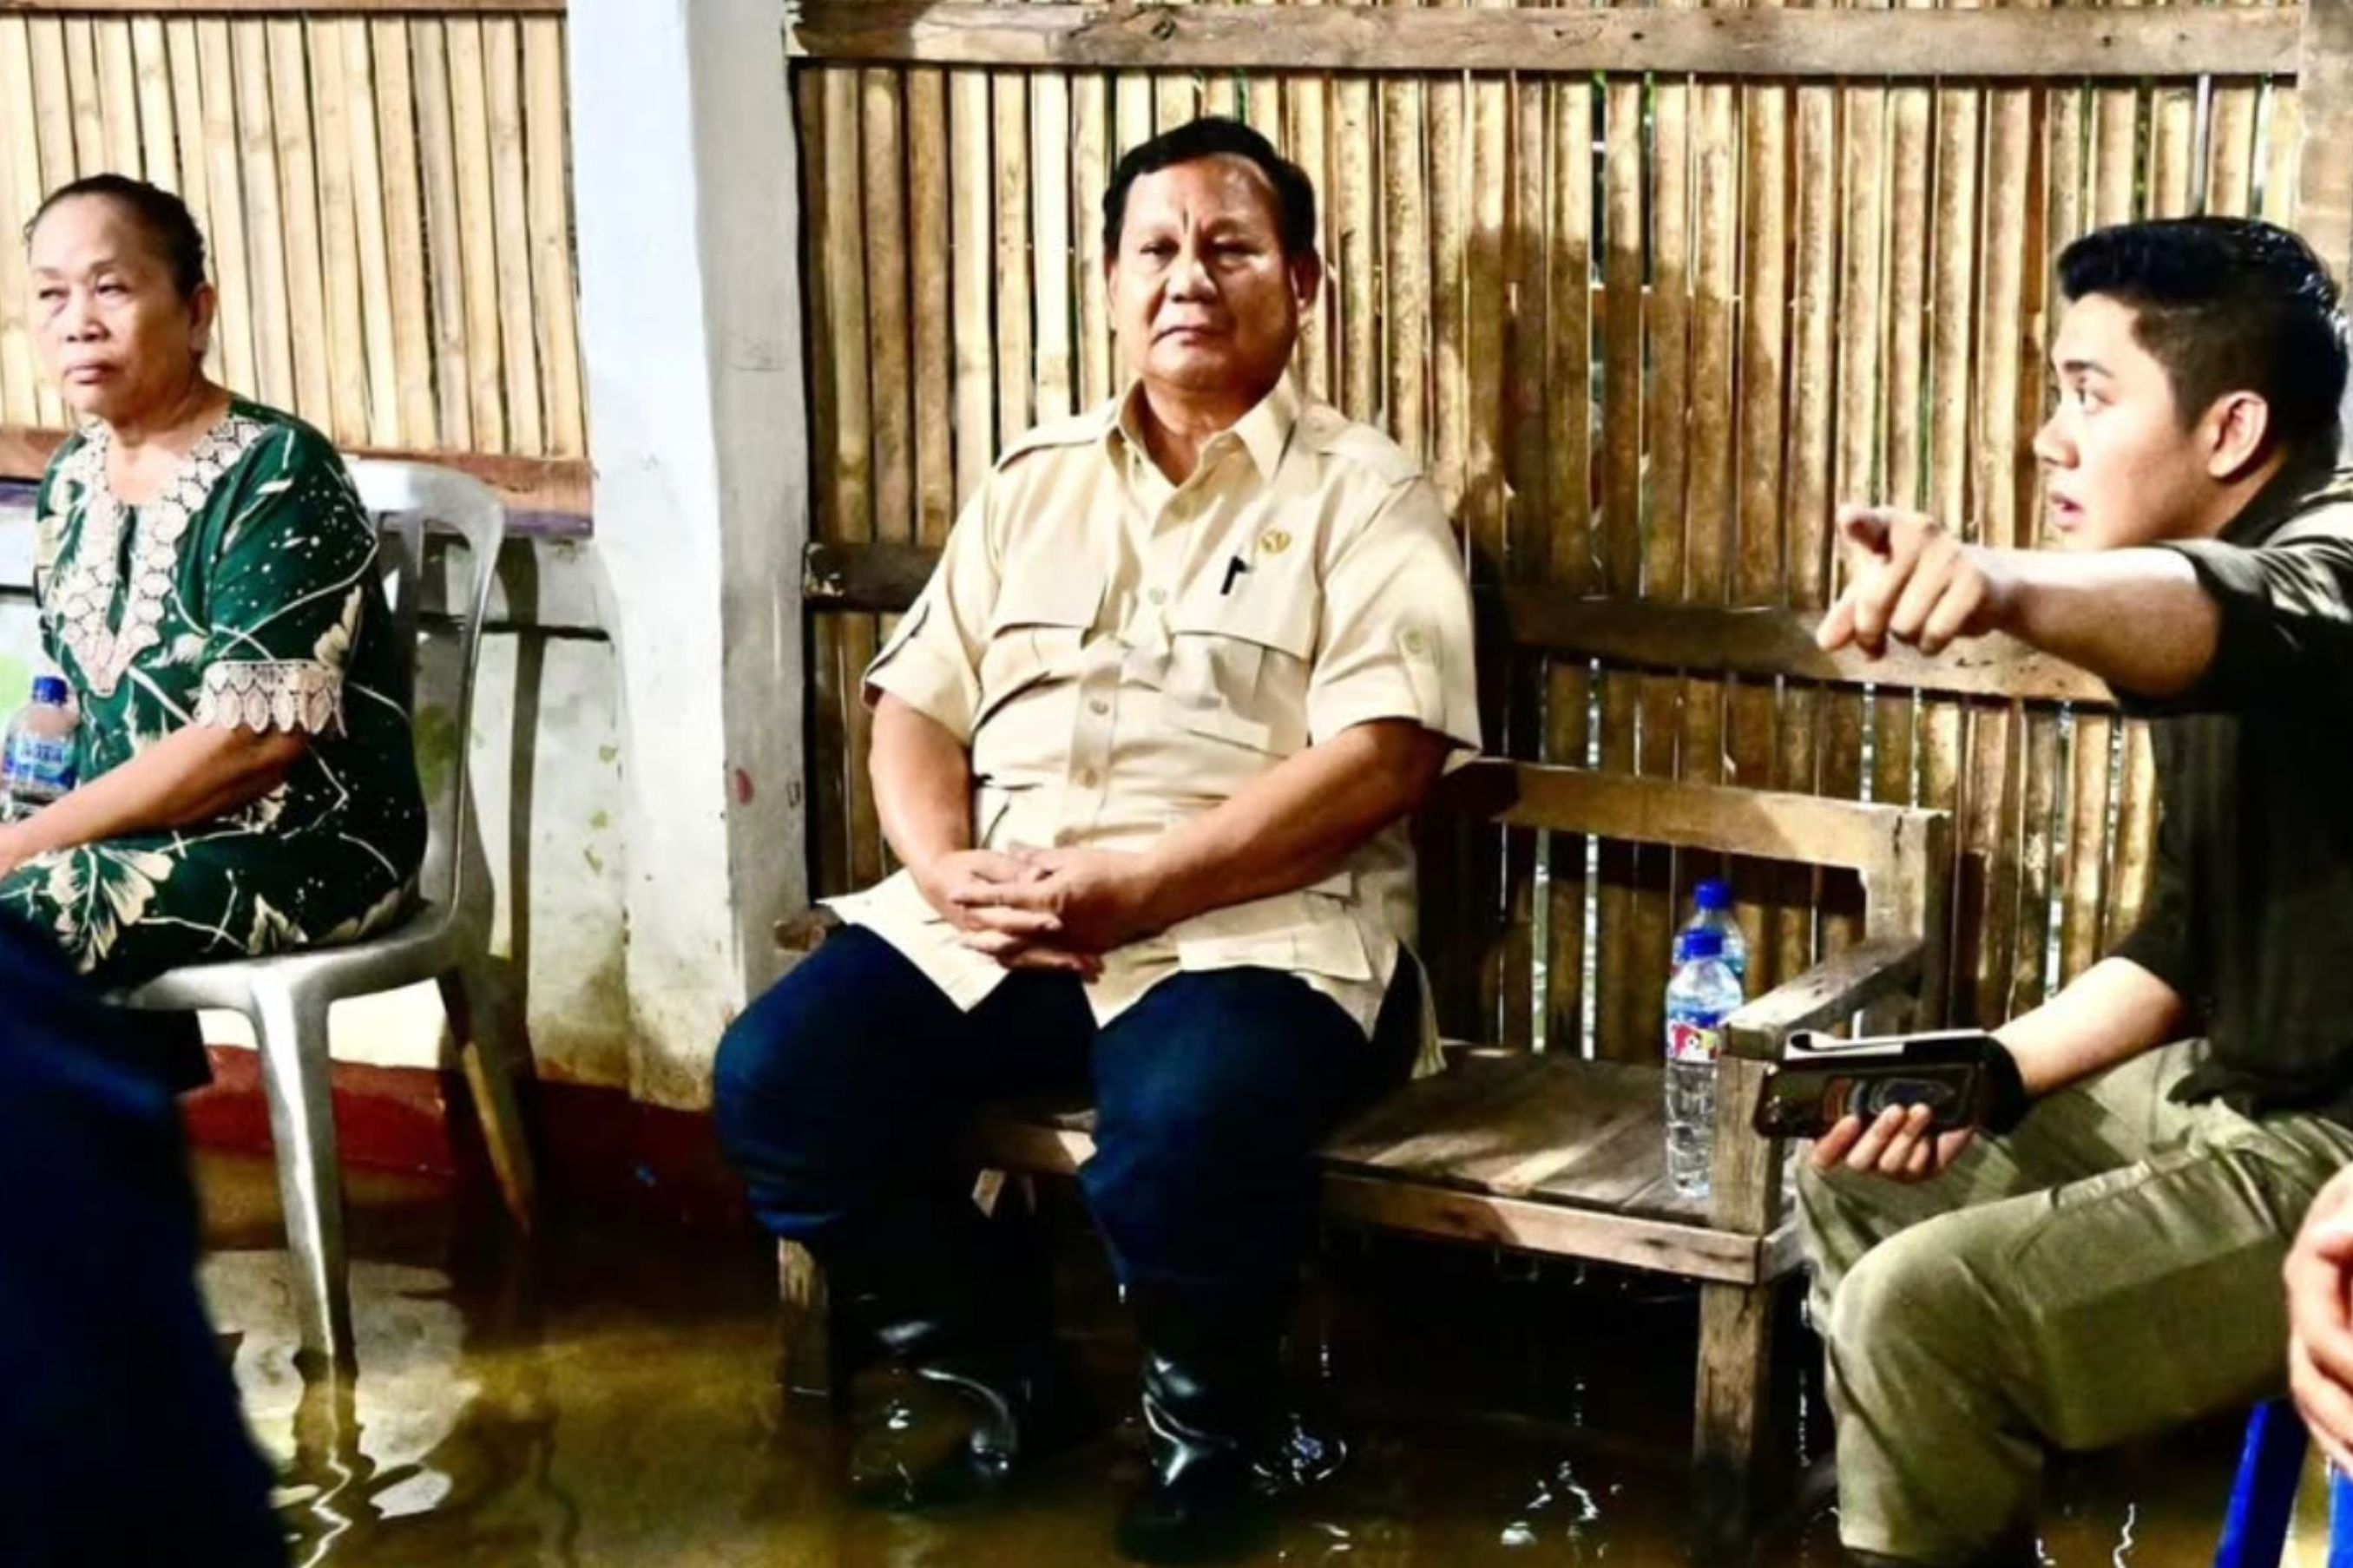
(804, 931)
(1832, 991)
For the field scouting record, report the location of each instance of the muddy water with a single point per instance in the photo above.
(607, 1398)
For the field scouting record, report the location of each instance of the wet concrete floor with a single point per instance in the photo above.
(607, 1397)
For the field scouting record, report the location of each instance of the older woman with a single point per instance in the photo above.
(208, 585)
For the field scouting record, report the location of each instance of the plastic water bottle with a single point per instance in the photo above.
(38, 765)
(1712, 910)
(1700, 998)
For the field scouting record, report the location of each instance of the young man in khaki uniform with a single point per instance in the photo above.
(1146, 746)
(2107, 1263)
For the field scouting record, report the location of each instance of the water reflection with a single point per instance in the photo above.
(608, 1399)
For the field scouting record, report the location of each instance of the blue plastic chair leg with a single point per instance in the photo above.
(2262, 1499)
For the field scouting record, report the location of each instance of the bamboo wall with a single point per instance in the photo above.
(1644, 330)
(384, 189)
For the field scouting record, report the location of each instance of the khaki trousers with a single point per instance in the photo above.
(2109, 1269)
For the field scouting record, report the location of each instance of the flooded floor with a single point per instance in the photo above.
(607, 1398)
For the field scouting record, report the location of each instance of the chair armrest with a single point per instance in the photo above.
(1833, 990)
(804, 931)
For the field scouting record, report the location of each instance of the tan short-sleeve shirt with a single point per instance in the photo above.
(1120, 654)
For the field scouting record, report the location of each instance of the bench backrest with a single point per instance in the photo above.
(1815, 872)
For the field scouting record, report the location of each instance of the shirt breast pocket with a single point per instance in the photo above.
(1239, 664)
(1036, 630)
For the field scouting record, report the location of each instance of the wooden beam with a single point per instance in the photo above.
(1829, 992)
(1770, 824)
(1713, 638)
(525, 484)
(315, 9)
(2039, 45)
(1768, 642)
(1782, 642)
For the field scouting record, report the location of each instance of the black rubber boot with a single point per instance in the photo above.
(970, 1388)
(1222, 1448)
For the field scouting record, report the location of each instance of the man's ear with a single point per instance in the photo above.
(1307, 278)
(2236, 433)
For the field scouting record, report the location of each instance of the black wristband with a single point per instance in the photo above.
(2004, 1103)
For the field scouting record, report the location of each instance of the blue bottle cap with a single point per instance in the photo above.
(1696, 945)
(50, 688)
(1711, 895)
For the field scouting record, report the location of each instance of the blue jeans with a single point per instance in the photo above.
(841, 1093)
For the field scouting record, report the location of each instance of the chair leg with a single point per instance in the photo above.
(808, 1369)
(489, 1055)
(292, 1027)
(1736, 1362)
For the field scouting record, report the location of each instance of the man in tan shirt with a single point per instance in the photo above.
(1146, 746)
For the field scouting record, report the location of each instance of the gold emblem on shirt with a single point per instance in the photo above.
(1273, 541)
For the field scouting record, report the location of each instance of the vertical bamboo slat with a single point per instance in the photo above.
(224, 193)
(20, 193)
(1568, 497)
(118, 96)
(1753, 714)
(1806, 513)
(416, 375)
(1016, 371)
(83, 95)
(446, 261)
(971, 245)
(1049, 213)
(184, 61)
(265, 218)
(469, 116)
(565, 416)
(1091, 166)
(1360, 386)
(151, 86)
(511, 226)
(306, 290)
(889, 339)
(928, 268)
(379, 389)
(339, 232)
(1618, 1010)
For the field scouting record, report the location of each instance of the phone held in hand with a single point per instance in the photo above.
(1820, 1080)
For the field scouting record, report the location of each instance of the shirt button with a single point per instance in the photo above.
(1098, 708)
(1158, 597)
(1413, 642)
(1087, 779)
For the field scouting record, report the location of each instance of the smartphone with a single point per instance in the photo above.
(1820, 1081)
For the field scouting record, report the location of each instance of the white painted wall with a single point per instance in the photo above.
(684, 173)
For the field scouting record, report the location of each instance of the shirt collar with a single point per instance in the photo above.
(2299, 482)
(1264, 432)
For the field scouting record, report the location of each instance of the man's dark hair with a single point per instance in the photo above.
(164, 218)
(2226, 304)
(1209, 137)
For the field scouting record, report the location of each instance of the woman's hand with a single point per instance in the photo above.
(14, 850)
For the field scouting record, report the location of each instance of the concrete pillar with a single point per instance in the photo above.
(683, 164)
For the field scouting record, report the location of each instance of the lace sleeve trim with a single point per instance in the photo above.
(263, 695)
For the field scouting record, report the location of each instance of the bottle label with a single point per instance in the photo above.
(40, 767)
(1689, 1040)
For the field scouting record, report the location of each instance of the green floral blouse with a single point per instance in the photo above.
(246, 597)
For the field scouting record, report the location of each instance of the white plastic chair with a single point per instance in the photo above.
(286, 996)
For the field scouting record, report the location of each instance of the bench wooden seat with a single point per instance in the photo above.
(1554, 1154)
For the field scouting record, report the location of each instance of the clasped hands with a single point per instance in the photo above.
(1053, 910)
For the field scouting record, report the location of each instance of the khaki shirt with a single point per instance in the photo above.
(1120, 654)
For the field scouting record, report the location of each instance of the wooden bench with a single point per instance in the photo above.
(1554, 1154)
